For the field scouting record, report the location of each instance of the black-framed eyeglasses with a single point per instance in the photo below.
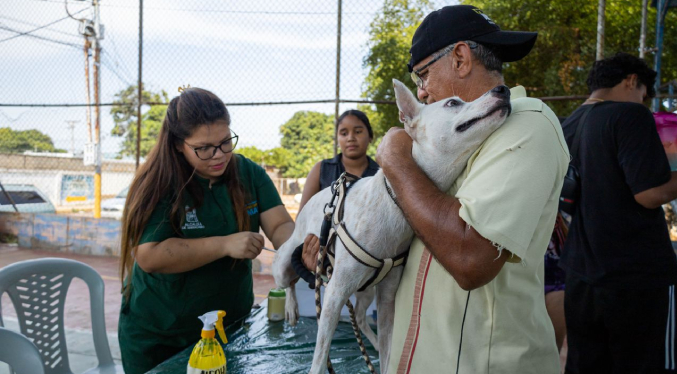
(416, 74)
(209, 151)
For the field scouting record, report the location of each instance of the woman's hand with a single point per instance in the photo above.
(311, 246)
(243, 245)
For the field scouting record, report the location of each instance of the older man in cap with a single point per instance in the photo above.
(471, 296)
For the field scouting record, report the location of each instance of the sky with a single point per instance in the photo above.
(243, 51)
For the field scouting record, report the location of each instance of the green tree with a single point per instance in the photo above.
(125, 117)
(17, 141)
(276, 157)
(557, 66)
(308, 138)
(390, 36)
(566, 45)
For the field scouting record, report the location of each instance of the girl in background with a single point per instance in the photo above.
(354, 133)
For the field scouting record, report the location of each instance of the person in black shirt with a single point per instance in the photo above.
(619, 262)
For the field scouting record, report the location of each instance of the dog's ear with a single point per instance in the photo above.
(406, 102)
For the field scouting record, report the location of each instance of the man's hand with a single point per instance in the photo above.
(395, 147)
(311, 246)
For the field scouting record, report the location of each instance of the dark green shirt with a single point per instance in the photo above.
(161, 314)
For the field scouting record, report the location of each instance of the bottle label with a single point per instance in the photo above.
(276, 317)
(219, 370)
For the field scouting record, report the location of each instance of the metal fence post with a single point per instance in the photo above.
(338, 74)
(140, 86)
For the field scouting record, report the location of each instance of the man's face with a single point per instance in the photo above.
(438, 79)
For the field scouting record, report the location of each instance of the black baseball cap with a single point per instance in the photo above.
(457, 23)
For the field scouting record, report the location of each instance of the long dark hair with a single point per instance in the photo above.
(166, 173)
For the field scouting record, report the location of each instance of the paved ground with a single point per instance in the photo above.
(78, 319)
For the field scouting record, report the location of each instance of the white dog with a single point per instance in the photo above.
(445, 134)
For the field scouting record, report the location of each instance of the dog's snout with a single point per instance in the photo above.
(501, 91)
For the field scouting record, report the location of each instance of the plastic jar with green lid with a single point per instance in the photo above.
(276, 300)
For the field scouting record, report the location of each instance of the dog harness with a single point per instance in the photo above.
(338, 229)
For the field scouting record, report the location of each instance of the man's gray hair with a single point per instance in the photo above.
(487, 58)
(481, 53)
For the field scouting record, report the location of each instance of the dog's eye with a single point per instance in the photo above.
(452, 103)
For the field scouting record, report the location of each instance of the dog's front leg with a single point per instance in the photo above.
(385, 304)
(291, 306)
(335, 297)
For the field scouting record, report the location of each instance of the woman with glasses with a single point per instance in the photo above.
(190, 229)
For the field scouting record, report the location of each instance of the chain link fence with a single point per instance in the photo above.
(266, 59)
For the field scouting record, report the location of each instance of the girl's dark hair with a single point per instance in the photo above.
(611, 71)
(166, 173)
(360, 115)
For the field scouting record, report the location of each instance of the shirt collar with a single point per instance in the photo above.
(518, 92)
(205, 182)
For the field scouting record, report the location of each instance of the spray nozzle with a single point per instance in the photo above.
(211, 320)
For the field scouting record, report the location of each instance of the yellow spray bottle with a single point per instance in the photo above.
(208, 356)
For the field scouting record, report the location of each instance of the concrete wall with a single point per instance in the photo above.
(47, 172)
(81, 235)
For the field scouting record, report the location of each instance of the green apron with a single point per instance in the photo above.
(160, 317)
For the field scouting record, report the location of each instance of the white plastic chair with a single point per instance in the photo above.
(19, 353)
(37, 289)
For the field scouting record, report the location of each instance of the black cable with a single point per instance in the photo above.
(109, 64)
(460, 342)
(41, 37)
(12, 19)
(41, 27)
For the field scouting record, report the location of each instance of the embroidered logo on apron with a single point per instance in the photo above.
(192, 222)
(252, 208)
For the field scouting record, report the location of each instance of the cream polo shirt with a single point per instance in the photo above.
(509, 194)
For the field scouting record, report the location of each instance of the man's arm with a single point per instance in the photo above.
(657, 196)
(471, 259)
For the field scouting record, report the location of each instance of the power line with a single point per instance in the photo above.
(42, 37)
(120, 61)
(34, 25)
(106, 63)
(41, 27)
(109, 5)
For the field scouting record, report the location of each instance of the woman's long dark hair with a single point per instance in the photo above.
(166, 173)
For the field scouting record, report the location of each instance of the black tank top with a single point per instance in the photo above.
(332, 168)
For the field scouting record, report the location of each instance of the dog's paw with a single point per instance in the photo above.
(291, 314)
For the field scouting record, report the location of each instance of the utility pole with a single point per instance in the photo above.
(71, 125)
(642, 33)
(600, 29)
(92, 30)
(661, 10)
(88, 110)
(97, 110)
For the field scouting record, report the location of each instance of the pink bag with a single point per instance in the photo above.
(666, 124)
